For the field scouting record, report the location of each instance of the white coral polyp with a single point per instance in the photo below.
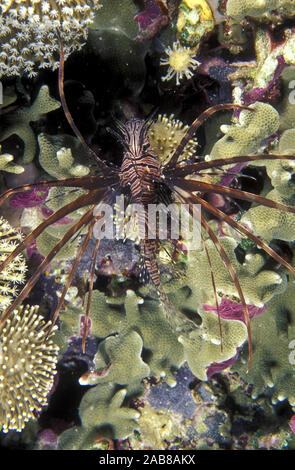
(27, 23)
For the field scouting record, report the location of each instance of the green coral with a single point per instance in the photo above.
(258, 283)
(286, 106)
(245, 136)
(115, 353)
(7, 165)
(18, 122)
(280, 225)
(102, 413)
(272, 368)
(269, 223)
(202, 346)
(63, 156)
(238, 9)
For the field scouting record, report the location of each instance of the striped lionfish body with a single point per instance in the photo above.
(140, 173)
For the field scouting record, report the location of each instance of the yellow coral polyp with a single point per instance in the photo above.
(180, 61)
(166, 133)
(14, 273)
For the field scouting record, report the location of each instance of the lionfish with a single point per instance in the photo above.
(143, 179)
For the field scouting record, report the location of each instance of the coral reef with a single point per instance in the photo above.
(112, 38)
(149, 377)
(27, 367)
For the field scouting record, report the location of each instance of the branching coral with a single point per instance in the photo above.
(197, 294)
(27, 367)
(262, 74)
(61, 157)
(112, 357)
(29, 36)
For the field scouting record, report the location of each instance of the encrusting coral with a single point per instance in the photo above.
(27, 367)
(29, 38)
